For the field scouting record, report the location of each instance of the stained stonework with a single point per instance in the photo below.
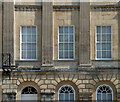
(47, 74)
(48, 82)
(0, 35)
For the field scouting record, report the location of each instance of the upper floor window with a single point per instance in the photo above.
(103, 42)
(104, 93)
(28, 42)
(66, 42)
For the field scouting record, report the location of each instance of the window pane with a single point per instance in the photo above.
(66, 96)
(109, 29)
(23, 54)
(103, 96)
(70, 29)
(33, 46)
(71, 38)
(98, 96)
(98, 29)
(24, 30)
(60, 38)
(65, 38)
(109, 96)
(71, 56)
(33, 55)
(33, 38)
(65, 46)
(104, 37)
(61, 30)
(66, 29)
(104, 54)
(104, 30)
(108, 54)
(71, 97)
(24, 46)
(29, 38)
(24, 37)
(33, 30)
(28, 54)
(99, 46)
(29, 47)
(61, 97)
(108, 46)
(98, 37)
(104, 46)
(70, 46)
(60, 54)
(108, 37)
(98, 54)
(60, 46)
(28, 30)
(66, 54)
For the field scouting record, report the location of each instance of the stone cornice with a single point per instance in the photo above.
(28, 8)
(66, 7)
(105, 7)
(55, 7)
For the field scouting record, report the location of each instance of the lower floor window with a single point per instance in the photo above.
(29, 93)
(104, 92)
(66, 93)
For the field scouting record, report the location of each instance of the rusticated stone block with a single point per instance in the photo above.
(43, 86)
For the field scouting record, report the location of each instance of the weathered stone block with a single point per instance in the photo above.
(43, 86)
(81, 86)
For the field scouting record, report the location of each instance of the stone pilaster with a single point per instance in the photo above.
(8, 28)
(0, 35)
(47, 34)
(84, 35)
(119, 39)
(0, 51)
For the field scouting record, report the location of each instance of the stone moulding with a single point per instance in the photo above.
(65, 7)
(38, 8)
(105, 7)
(27, 8)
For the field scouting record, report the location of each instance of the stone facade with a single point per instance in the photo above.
(47, 74)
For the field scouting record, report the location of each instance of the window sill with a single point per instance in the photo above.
(103, 60)
(108, 59)
(27, 60)
(60, 60)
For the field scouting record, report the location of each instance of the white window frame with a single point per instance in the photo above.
(103, 85)
(63, 86)
(21, 41)
(25, 95)
(96, 43)
(73, 42)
